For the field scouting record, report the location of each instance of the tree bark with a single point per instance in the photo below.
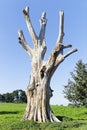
(39, 91)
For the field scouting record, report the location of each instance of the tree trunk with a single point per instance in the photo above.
(38, 98)
(39, 91)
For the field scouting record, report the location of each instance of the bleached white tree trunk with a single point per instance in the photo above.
(39, 90)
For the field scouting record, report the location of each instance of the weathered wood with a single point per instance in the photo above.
(43, 22)
(29, 26)
(61, 27)
(39, 90)
(23, 42)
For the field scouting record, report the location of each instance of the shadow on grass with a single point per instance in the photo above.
(64, 118)
(8, 112)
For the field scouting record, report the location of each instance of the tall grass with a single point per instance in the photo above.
(72, 118)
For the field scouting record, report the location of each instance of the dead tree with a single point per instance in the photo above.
(39, 90)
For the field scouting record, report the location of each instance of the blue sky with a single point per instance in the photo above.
(15, 67)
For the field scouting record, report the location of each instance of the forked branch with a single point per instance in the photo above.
(57, 56)
(29, 25)
(51, 61)
(62, 57)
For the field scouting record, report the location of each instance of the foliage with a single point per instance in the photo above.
(76, 89)
(15, 96)
(11, 114)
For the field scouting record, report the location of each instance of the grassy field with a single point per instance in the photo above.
(72, 118)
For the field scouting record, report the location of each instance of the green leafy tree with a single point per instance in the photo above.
(15, 96)
(7, 97)
(23, 97)
(2, 98)
(76, 89)
(19, 96)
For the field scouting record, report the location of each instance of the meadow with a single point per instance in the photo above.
(72, 118)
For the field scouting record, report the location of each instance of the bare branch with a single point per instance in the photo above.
(43, 22)
(67, 46)
(70, 52)
(60, 58)
(29, 25)
(61, 27)
(22, 41)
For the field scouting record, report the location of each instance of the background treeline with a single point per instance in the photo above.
(16, 96)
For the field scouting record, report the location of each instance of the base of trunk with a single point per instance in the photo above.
(41, 117)
(38, 108)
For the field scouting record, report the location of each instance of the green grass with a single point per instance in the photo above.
(71, 112)
(73, 118)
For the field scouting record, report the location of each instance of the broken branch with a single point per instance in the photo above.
(61, 27)
(43, 22)
(22, 41)
(29, 25)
